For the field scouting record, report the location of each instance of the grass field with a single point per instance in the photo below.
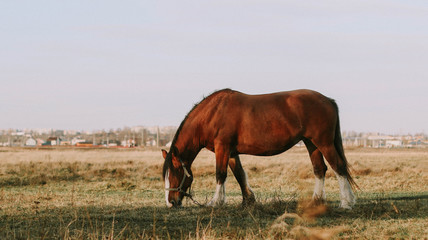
(118, 194)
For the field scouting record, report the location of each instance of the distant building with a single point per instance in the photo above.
(375, 140)
(65, 143)
(151, 143)
(128, 143)
(40, 142)
(19, 133)
(31, 142)
(393, 143)
(53, 141)
(75, 141)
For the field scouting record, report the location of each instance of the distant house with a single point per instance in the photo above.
(65, 143)
(18, 133)
(40, 142)
(52, 141)
(75, 141)
(31, 142)
(393, 143)
(417, 143)
(128, 143)
(151, 143)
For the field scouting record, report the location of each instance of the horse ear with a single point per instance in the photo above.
(174, 151)
(164, 153)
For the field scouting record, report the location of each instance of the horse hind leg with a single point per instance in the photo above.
(235, 165)
(347, 198)
(319, 170)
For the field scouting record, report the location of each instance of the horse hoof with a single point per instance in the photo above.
(248, 202)
(345, 206)
(215, 204)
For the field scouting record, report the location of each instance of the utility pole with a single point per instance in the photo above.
(9, 138)
(143, 140)
(157, 136)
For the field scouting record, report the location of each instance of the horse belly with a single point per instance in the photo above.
(266, 143)
(267, 128)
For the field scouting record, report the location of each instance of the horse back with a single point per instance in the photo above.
(267, 124)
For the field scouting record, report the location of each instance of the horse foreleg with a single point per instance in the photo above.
(222, 159)
(219, 196)
(235, 165)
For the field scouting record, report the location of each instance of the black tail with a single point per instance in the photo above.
(339, 148)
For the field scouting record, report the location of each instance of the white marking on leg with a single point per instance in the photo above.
(219, 196)
(319, 193)
(167, 184)
(347, 198)
(247, 184)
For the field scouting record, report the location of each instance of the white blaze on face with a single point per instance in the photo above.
(167, 185)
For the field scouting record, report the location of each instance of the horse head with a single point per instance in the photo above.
(177, 176)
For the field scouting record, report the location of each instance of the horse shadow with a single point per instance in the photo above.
(128, 221)
(396, 207)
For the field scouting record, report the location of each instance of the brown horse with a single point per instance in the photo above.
(230, 123)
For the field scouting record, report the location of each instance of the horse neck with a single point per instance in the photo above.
(187, 144)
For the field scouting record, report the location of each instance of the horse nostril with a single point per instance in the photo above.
(173, 203)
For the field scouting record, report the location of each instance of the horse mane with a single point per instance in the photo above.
(168, 159)
(196, 105)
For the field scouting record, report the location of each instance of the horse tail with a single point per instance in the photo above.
(339, 148)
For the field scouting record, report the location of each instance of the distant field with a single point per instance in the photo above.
(102, 193)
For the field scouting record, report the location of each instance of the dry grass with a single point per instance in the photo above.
(93, 194)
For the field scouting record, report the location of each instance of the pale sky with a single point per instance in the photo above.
(89, 65)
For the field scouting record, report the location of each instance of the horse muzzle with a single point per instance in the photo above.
(173, 199)
(177, 203)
